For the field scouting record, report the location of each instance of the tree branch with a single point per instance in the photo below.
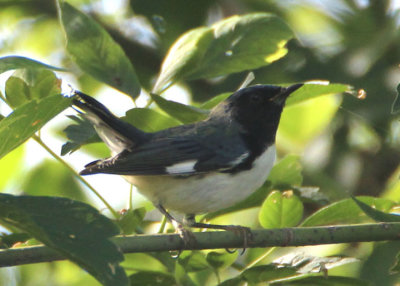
(297, 236)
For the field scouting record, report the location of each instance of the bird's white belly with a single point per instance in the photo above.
(208, 192)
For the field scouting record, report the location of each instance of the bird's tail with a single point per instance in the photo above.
(117, 134)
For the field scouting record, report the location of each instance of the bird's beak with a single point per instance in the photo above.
(286, 91)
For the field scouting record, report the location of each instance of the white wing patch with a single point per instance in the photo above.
(239, 159)
(181, 168)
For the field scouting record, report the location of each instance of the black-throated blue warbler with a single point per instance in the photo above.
(200, 167)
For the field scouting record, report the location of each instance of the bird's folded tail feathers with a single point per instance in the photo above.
(117, 134)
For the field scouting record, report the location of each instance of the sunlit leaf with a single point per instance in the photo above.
(313, 89)
(215, 100)
(27, 119)
(149, 120)
(17, 62)
(231, 45)
(376, 214)
(281, 210)
(182, 112)
(346, 211)
(287, 172)
(75, 229)
(29, 84)
(96, 53)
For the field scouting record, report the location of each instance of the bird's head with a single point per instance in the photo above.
(256, 106)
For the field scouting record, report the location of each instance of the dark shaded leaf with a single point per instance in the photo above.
(346, 211)
(8, 240)
(193, 261)
(17, 62)
(267, 273)
(150, 278)
(27, 119)
(281, 210)
(78, 134)
(75, 229)
(221, 259)
(376, 214)
(182, 112)
(95, 52)
(324, 281)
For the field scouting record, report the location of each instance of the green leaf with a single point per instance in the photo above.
(287, 172)
(395, 269)
(17, 62)
(78, 134)
(150, 278)
(376, 214)
(95, 52)
(28, 84)
(324, 281)
(27, 119)
(149, 120)
(75, 229)
(311, 90)
(131, 220)
(54, 177)
(182, 112)
(232, 45)
(346, 211)
(193, 261)
(211, 103)
(281, 210)
(221, 259)
(267, 273)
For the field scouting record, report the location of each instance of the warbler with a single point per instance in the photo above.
(200, 167)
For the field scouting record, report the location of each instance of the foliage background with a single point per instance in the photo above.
(353, 149)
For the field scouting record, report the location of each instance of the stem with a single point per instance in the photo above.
(83, 181)
(296, 236)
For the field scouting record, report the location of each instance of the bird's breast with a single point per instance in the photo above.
(205, 192)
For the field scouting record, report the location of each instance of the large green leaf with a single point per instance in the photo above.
(324, 281)
(376, 214)
(346, 211)
(182, 112)
(281, 210)
(95, 52)
(149, 120)
(17, 62)
(150, 278)
(27, 119)
(314, 89)
(75, 229)
(28, 84)
(11, 166)
(232, 45)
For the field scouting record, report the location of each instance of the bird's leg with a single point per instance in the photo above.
(186, 235)
(242, 231)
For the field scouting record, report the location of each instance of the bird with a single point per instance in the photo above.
(194, 168)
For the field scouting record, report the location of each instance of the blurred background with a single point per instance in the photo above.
(347, 146)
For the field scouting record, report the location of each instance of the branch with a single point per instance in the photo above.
(297, 236)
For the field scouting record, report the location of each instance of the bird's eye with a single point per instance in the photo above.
(255, 98)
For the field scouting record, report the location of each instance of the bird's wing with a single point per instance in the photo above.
(174, 156)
